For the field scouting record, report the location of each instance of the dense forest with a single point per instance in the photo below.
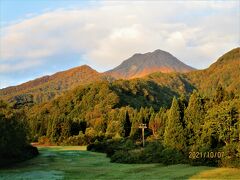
(191, 118)
(199, 124)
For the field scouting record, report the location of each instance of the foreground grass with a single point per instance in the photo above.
(75, 163)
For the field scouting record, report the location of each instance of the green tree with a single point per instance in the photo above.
(174, 135)
(194, 117)
(127, 125)
(13, 135)
(157, 124)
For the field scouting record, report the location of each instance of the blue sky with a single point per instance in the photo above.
(14, 10)
(46, 36)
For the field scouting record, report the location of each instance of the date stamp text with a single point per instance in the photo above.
(208, 155)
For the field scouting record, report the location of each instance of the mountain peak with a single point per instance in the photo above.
(85, 66)
(160, 51)
(140, 65)
(80, 68)
(52, 85)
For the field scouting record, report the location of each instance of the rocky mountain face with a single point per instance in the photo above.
(140, 65)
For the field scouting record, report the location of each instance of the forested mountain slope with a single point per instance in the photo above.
(47, 87)
(225, 72)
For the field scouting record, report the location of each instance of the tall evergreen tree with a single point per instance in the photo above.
(127, 125)
(194, 117)
(174, 135)
(183, 103)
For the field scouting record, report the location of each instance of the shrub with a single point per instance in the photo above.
(78, 140)
(231, 156)
(171, 156)
(154, 152)
(129, 157)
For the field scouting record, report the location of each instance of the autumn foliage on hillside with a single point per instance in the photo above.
(46, 88)
(191, 112)
(225, 72)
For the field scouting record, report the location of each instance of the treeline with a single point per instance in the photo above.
(96, 110)
(14, 145)
(102, 111)
(201, 131)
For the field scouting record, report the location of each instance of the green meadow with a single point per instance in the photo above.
(74, 162)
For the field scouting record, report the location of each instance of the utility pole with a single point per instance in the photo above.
(143, 126)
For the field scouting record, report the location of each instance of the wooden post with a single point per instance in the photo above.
(143, 126)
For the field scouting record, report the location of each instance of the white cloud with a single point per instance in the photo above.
(20, 66)
(196, 32)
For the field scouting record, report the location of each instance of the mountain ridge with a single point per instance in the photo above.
(47, 87)
(224, 71)
(140, 65)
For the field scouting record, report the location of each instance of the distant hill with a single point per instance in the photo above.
(225, 72)
(140, 65)
(47, 87)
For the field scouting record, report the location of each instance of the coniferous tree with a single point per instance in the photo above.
(127, 125)
(174, 135)
(183, 103)
(194, 117)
